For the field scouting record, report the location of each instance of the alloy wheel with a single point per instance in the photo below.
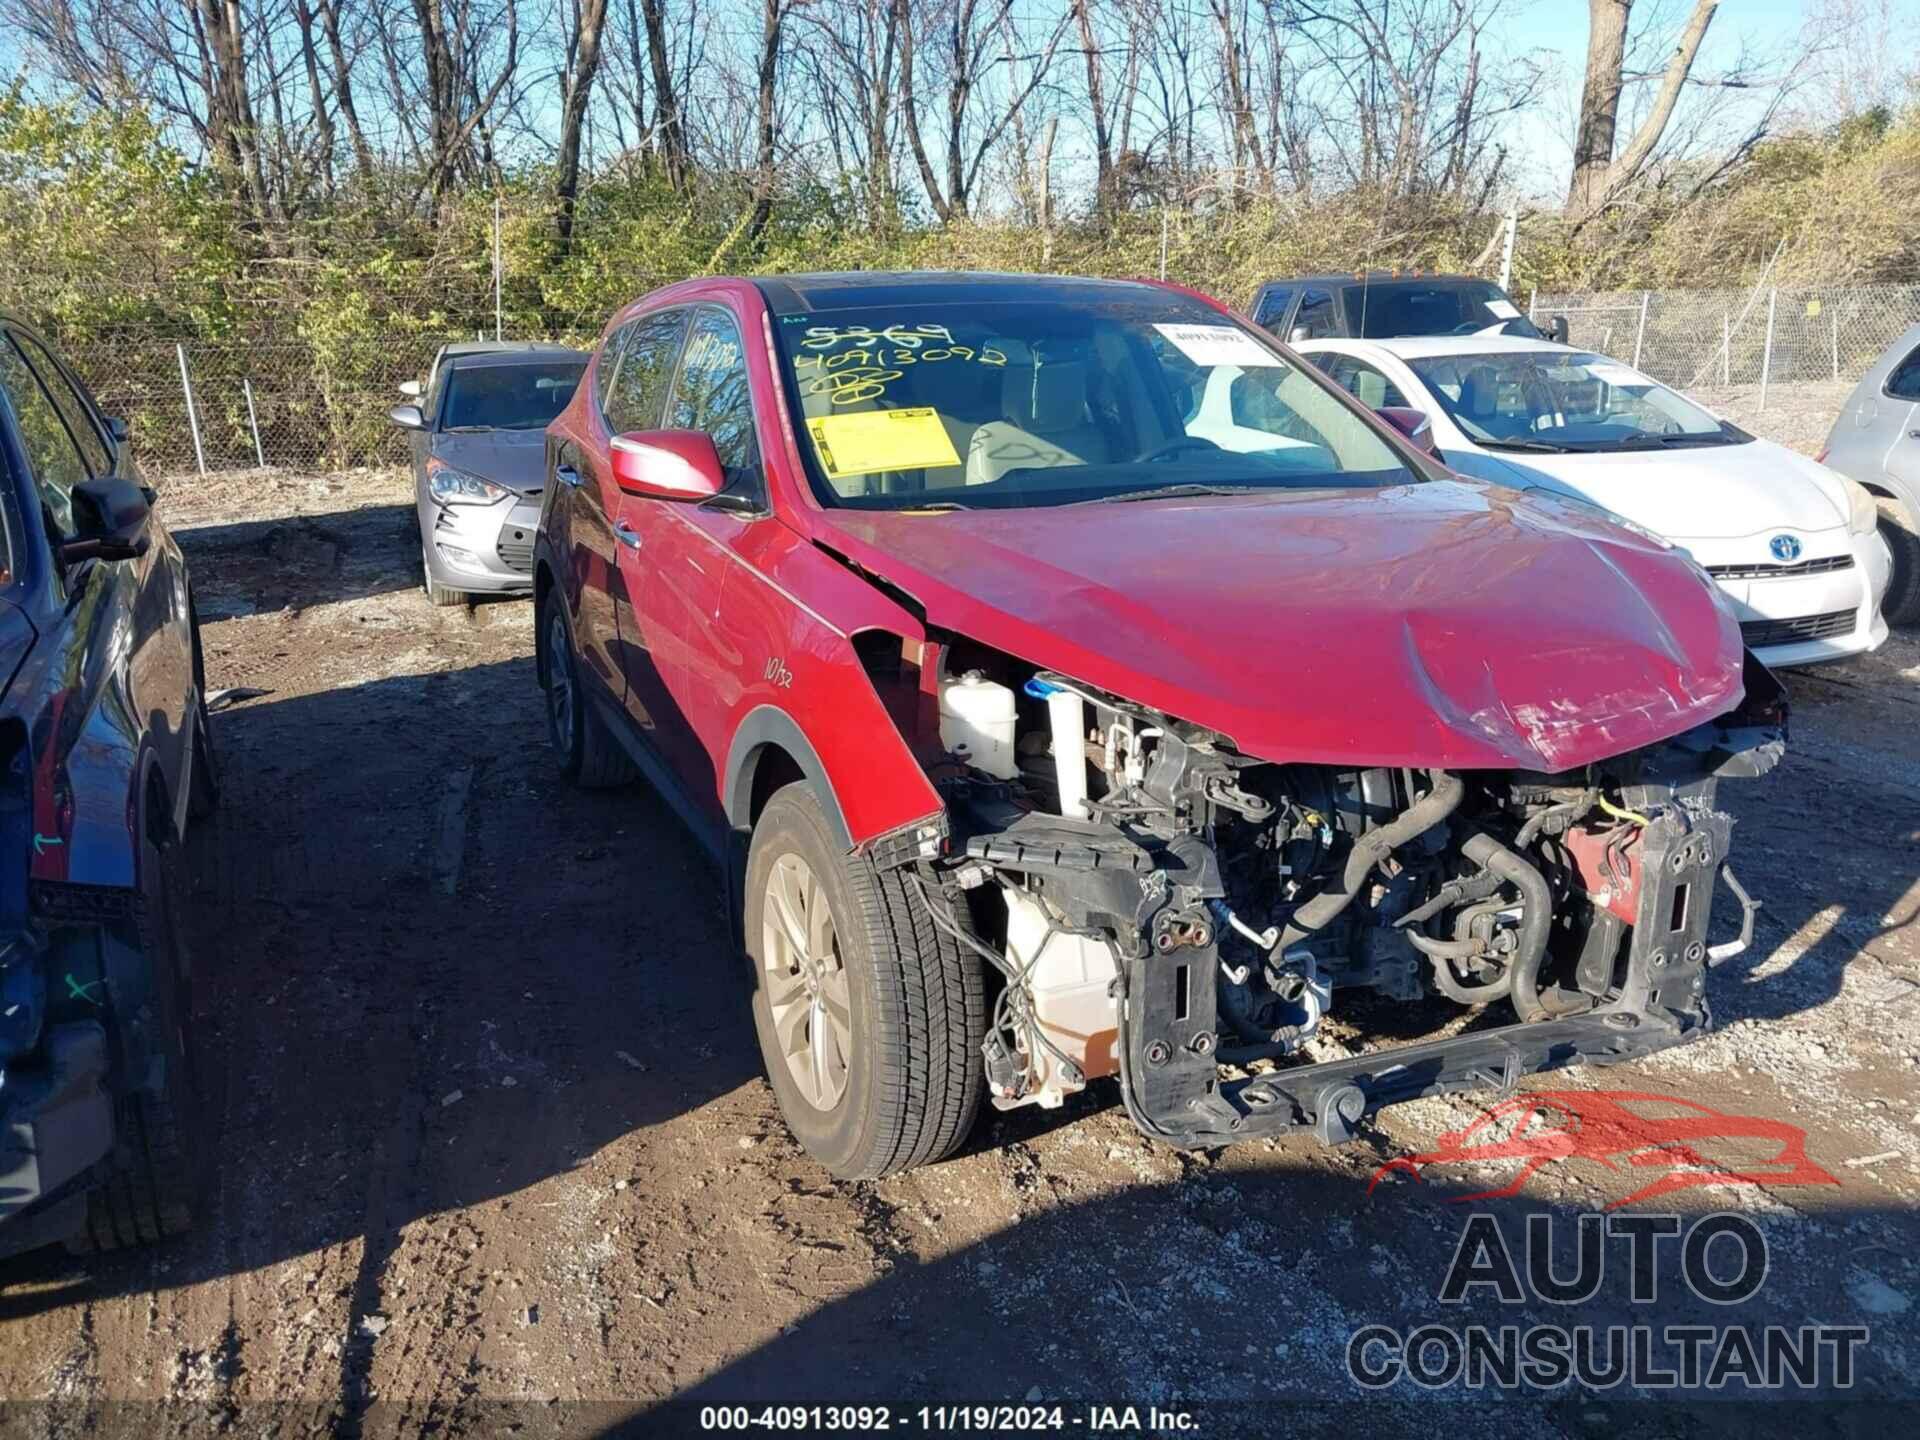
(806, 983)
(559, 684)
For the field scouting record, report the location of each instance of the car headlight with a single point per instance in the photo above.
(455, 487)
(1612, 517)
(1863, 511)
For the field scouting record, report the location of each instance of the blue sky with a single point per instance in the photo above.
(1542, 142)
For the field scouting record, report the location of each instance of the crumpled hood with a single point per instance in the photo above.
(516, 459)
(1444, 624)
(1711, 493)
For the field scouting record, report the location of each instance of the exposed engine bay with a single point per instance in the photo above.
(1244, 943)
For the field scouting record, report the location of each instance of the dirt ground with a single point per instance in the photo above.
(493, 1147)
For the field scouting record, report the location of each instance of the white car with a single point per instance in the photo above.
(1793, 544)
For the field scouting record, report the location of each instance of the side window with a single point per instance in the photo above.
(637, 393)
(1273, 305)
(608, 363)
(1904, 382)
(712, 395)
(73, 409)
(1364, 383)
(1316, 315)
(57, 463)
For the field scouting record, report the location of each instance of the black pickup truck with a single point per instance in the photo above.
(1382, 305)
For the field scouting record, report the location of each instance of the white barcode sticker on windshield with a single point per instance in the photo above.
(1505, 309)
(1218, 345)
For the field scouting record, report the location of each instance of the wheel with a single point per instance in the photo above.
(438, 594)
(203, 789)
(870, 1018)
(153, 1186)
(1902, 603)
(588, 754)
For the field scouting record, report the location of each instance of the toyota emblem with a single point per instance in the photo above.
(1784, 547)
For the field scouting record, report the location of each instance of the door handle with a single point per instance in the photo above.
(626, 535)
(567, 476)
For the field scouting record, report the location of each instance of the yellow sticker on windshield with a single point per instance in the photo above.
(872, 440)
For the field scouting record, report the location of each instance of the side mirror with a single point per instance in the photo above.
(1411, 423)
(410, 389)
(1557, 330)
(117, 428)
(668, 464)
(407, 417)
(1297, 334)
(109, 519)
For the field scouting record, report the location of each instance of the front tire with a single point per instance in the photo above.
(870, 1018)
(203, 789)
(1902, 603)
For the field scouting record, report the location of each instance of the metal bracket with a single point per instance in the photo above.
(1749, 907)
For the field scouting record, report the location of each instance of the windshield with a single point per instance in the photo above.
(1383, 309)
(1018, 404)
(1557, 401)
(509, 397)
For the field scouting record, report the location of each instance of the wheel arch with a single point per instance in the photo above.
(769, 746)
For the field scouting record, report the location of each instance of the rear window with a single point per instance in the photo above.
(509, 397)
(1382, 309)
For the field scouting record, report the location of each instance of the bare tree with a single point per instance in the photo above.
(853, 73)
(773, 21)
(964, 59)
(455, 40)
(1599, 174)
(669, 127)
(576, 90)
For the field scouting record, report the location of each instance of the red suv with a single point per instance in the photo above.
(1075, 684)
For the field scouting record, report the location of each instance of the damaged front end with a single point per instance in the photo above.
(1244, 943)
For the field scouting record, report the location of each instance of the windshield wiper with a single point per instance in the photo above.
(1544, 447)
(467, 429)
(1166, 492)
(1661, 442)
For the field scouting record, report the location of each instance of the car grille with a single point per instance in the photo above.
(1824, 566)
(515, 548)
(1758, 633)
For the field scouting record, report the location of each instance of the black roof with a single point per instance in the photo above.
(529, 354)
(1376, 277)
(845, 290)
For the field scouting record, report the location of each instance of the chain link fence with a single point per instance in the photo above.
(199, 406)
(205, 407)
(1724, 339)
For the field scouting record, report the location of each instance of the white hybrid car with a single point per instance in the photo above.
(1795, 545)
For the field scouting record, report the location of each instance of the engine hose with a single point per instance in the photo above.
(1454, 892)
(1368, 851)
(1536, 922)
(1451, 986)
(1445, 949)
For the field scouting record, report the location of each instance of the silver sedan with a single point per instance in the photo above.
(480, 464)
(1876, 441)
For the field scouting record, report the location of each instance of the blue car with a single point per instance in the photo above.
(106, 758)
